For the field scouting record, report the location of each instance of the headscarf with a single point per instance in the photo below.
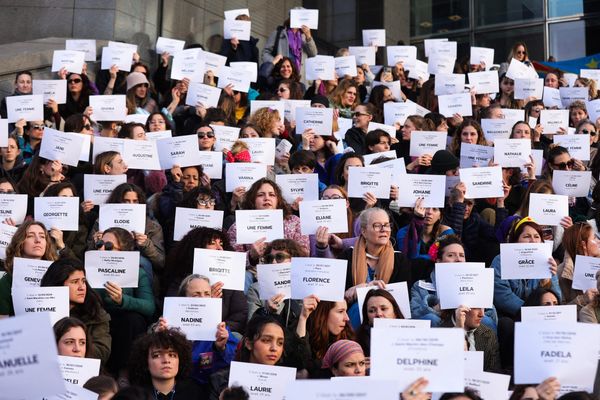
(340, 350)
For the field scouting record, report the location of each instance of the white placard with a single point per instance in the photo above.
(246, 68)
(108, 107)
(142, 154)
(403, 54)
(419, 71)
(229, 76)
(290, 107)
(6, 234)
(197, 317)
(362, 180)
(398, 290)
(593, 109)
(228, 267)
(525, 88)
(87, 46)
(345, 66)
(298, 185)
(199, 93)
(570, 94)
(55, 89)
(390, 129)
(363, 54)
(518, 70)
(369, 158)
(427, 142)
(429, 43)
(397, 167)
(449, 84)
(278, 105)
(98, 188)
(180, 150)
(255, 224)
(405, 355)
(166, 45)
(29, 108)
(103, 144)
(510, 153)
(525, 260)
(214, 62)
(262, 150)
(261, 381)
(398, 112)
(488, 385)
(565, 351)
(318, 119)
(320, 68)
(131, 217)
(343, 387)
(444, 48)
(584, 276)
(60, 213)
(225, 135)
(482, 55)
(34, 299)
(572, 183)
(61, 146)
(482, 182)
(232, 14)
(590, 73)
(323, 277)
(189, 64)
(121, 45)
(451, 104)
(429, 187)
(496, 128)
(71, 60)
(274, 279)
(306, 17)
(389, 323)
(187, 219)
(236, 29)
(121, 57)
(243, 174)
(78, 370)
(548, 209)
(212, 163)
(578, 145)
(3, 132)
(328, 213)
(440, 64)
(484, 81)
(120, 267)
(551, 97)
(474, 155)
(13, 206)
(467, 284)
(566, 313)
(28, 271)
(373, 37)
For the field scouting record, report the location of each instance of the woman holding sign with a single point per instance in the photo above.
(345, 98)
(378, 303)
(79, 90)
(13, 163)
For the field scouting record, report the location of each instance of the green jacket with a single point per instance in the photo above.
(140, 299)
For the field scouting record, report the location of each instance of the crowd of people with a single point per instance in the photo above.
(143, 356)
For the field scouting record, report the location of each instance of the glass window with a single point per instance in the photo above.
(503, 40)
(563, 8)
(491, 12)
(567, 40)
(438, 16)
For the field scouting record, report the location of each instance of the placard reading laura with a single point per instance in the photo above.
(425, 142)
(108, 107)
(243, 175)
(187, 219)
(429, 187)
(467, 284)
(567, 351)
(404, 355)
(328, 213)
(318, 119)
(98, 188)
(571, 183)
(78, 370)
(55, 89)
(548, 209)
(274, 279)
(228, 267)
(61, 213)
(262, 382)
(525, 260)
(566, 313)
(399, 290)
(29, 108)
(509, 153)
(362, 180)
(196, 317)
(474, 155)
(143, 154)
(131, 217)
(180, 150)
(323, 277)
(28, 271)
(298, 185)
(35, 299)
(483, 182)
(13, 206)
(120, 267)
(121, 57)
(584, 276)
(255, 224)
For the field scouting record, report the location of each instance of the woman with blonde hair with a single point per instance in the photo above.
(345, 97)
(268, 121)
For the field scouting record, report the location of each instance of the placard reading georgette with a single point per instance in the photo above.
(58, 212)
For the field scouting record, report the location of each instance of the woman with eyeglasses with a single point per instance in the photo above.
(157, 122)
(79, 90)
(13, 163)
(180, 262)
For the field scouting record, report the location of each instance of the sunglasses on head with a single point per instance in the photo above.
(74, 80)
(209, 135)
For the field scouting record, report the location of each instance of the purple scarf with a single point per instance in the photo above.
(295, 42)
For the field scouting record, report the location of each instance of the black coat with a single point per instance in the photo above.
(401, 273)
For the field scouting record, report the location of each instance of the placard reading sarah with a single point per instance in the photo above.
(252, 225)
(181, 151)
(228, 267)
(196, 317)
(331, 214)
(120, 267)
(323, 277)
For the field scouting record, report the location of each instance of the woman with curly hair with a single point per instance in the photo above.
(161, 363)
(272, 73)
(268, 122)
(345, 97)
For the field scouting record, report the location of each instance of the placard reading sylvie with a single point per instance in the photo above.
(584, 276)
(262, 382)
(399, 290)
(567, 351)
(274, 279)
(467, 284)
(142, 154)
(252, 225)
(425, 142)
(228, 267)
(362, 180)
(298, 185)
(572, 183)
(525, 260)
(34, 299)
(318, 119)
(323, 277)
(483, 182)
(404, 355)
(187, 219)
(548, 209)
(131, 217)
(243, 175)
(429, 187)
(13, 206)
(331, 214)
(29, 108)
(98, 188)
(77, 370)
(28, 271)
(61, 213)
(108, 107)
(120, 267)
(197, 317)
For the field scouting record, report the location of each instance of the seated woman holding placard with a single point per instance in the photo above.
(549, 389)
(180, 262)
(413, 123)
(469, 132)
(378, 141)
(12, 162)
(85, 304)
(324, 148)
(591, 312)
(72, 338)
(29, 241)
(40, 174)
(344, 358)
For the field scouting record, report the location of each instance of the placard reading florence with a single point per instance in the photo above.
(274, 279)
(323, 277)
(263, 382)
(197, 317)
(120, 267)
(228, 267)
(252, 225)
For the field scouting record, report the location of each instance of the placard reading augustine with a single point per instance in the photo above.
(404, 355)
(78, 370)
(28, 271)
(131, 217)
(262, 382)
(548, 209)
(399, 290)
(584, 276)
(255, 224)
(429, 187)
(376, 181)
(525, 260)
(323, 277)
(58, 212)
(13, 206)
(228, 267)
(196, 317)
(566, 313)
(243, 175)
(425, 142)
(318, 119)
(142, 154)
(298, 185)
(274, 279)
(35, 299)
(120, 267)
(98, 188)
(328, 213)
(483, 182)
(572, 183)
(467, 284)
(187, 219)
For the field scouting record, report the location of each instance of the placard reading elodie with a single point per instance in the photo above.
(429, 187)
(525, 260)
(35, 299)
(197, 317)
(323, 277)
(548, 209)
(228, 267)
(318, 119)
(467, 284)
(98, 188)
(261, 381)
(187, 219)
(328, 213)
(274, 279)
(252, 225)
(131, 217)
(57, 212)
(362, 180)
(120, 267)
(78, 370)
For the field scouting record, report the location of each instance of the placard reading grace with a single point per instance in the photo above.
(525, 260)
(262, 382)
(28, 271)
(131, 217)
(243, 175)
(120, 267)
(328, 213)
(548, 209)
(13, 206)
(318, 119)
(187, 219)
(274, 279)
(228, 267)
(298, 185)
(482, 182)
(323, 277)
(196, 317)
(255, 224)
(399, 290)
(34, 299)
(61, 213)
(584, 276)
(572, 183)
(97, 188)
(429, 187)
(467, 284)
(426, 142)
(362, 180)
